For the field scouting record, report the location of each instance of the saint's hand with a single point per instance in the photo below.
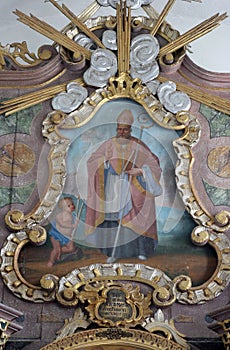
(134, 172)
(108, 153)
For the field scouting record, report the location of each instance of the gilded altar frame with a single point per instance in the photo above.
(85, 284)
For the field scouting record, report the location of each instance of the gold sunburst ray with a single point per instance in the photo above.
(83, 16)
(123, 14)
(89, 11)
(77, 22)
(162, 16)
(14, 105)
(50, 32)
(123, 36)
(194, 33)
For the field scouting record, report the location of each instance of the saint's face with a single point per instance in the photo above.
(123, 131)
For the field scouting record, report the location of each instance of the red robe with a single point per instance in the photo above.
(142, 217)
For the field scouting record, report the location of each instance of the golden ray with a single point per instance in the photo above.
(71, 16)
(193, 34)
(83, 16)
(52, 33)
(17, 104)
(123, 36)
(128, 39)
(119, 39)
(162, 16)
(151, 12)
(89, 11)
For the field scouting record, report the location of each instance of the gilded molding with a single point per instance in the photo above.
(226, 333)
(125, 87)
(91, 283)
(12, 275)
(115, 336)
(186, 186)
(123, 336)
(30, 225)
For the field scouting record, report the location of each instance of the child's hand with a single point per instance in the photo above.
(75, 225)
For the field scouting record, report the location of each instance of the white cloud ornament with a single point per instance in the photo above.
(85, 41)
(174, 101)
(71, 99)
(143, 52)
(109, 39)
(103, 65)
(134, 4)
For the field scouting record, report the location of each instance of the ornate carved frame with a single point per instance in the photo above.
(74, 287)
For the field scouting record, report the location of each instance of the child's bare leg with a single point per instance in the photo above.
(55, 253)
(69, 247)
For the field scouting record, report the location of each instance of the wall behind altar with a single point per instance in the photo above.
(210, 52)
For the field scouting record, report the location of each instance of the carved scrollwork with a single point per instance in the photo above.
(36, 234)
(90, 284)
(126, 87)
(86, 284)
(223, 220)
(200, 236)
(119, 304)
(12, 275)
(158, 323)
(20, 51)
(79, 320)
(17, 221)
(49, 282)
(186, 293)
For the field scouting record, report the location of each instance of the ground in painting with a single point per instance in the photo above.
(199, 262)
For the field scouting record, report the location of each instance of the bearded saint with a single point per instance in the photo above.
(123, 181)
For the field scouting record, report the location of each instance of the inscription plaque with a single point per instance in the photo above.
(116, 307)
